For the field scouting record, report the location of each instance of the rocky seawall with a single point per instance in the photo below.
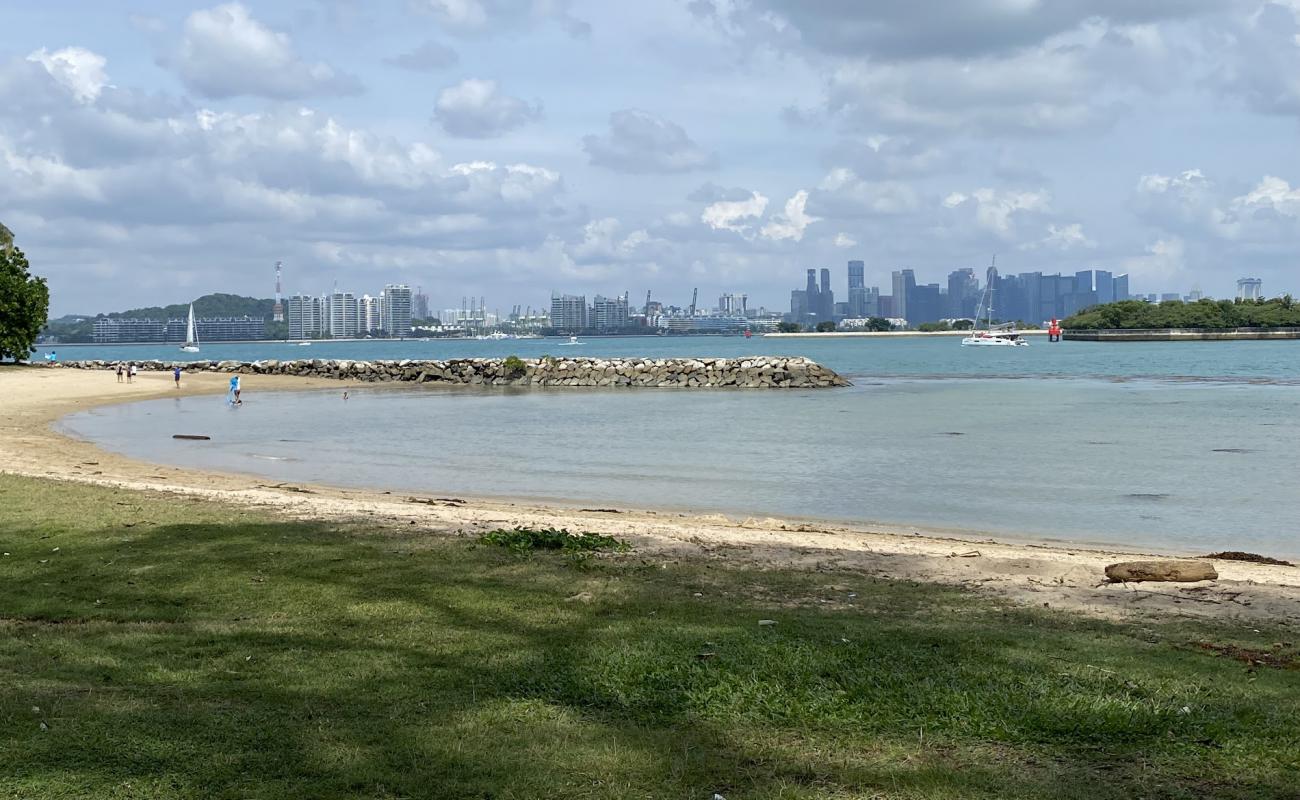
(1180, 334)
(759, 372)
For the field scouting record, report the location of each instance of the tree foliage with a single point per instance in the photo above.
(207, 306)
(788, 327)
(825, 327)
(1277, 312)
(24, 301)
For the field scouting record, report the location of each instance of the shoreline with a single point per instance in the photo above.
(1029, 572)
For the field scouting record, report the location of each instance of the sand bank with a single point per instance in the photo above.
(1050, 574)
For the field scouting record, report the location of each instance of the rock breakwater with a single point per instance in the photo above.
(758, 372)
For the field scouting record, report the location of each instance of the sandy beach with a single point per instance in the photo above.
(1047, 574)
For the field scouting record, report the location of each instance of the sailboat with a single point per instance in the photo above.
(191, 334)
(1003, 335)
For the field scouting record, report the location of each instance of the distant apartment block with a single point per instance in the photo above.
(210, 329)
(569, 312)
(396, 310)
(608, 314)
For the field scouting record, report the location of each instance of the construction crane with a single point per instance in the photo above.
(695, 295)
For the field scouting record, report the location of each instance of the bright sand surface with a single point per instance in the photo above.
(1054, 575)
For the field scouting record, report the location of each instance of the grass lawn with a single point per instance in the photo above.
(160, 647)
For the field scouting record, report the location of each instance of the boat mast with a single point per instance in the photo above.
(989, 278)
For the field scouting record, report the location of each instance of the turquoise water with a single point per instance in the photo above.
(1183, 447)
(880, 357)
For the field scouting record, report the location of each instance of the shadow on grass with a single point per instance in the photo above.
(248, 659)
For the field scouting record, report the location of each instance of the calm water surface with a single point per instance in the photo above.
(1178, 446)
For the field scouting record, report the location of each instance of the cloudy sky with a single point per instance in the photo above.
(153, 151)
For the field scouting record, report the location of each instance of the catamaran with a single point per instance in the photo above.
(191, 334)
(1003, 335)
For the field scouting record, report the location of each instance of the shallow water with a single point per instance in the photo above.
(1178, 465)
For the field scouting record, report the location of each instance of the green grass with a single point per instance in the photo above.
(175, 648)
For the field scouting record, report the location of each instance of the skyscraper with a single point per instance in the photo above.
(904, 283)
(1120, 282)
(341, 315)
(963, 293)
(1250, 288)
(857, 289)
(419, 305)
(397, 310)
(826, 298)
(369, 313)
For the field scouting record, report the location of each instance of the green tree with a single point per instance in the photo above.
(878, 324)
(788, 327)
(24, 301)
(826, 327)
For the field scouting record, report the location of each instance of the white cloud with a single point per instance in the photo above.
(734, 215)
(76, 68)
(843, 194)
(1160, 264)
(996, 210)
(844, 240)
(475, 109)
(793, 222)
(1065, 237)
(225, 52)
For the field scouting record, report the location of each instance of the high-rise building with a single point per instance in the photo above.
(1250, 288)
(609, 314)
(277, 310)
(369, 313)
(419, 305)
(963, 293)
(924, 304)
(568, 312)
(733, 305)
(1120, 282)
(799, 306)
(342, 315)
(396, 310)
(306, 320)
(904, 283)
(825, 298)
(857, 306)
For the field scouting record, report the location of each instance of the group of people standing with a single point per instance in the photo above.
(129, 371)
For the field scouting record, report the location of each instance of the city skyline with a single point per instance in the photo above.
(155, 150)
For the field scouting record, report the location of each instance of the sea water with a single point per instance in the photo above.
(1178, 446)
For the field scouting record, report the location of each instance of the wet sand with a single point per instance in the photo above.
(1047, 574)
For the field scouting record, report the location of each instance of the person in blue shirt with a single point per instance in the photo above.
(176, 376)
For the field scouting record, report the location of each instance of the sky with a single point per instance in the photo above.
(152, 152)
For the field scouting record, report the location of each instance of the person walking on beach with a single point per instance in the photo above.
(176, 376)
(120, 371)
(130, 373)
(233, 398)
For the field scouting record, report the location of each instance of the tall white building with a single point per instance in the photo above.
(1250, 288)
(733, 305)
(342, 313)
(397, 310)
(568, 311)
(305, 317)
(370, 313)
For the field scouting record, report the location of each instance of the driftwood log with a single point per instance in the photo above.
(1137, 571)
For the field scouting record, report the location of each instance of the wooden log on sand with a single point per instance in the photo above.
(193, 436)
(1181, 571)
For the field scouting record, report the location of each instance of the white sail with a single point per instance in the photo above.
(191, 334)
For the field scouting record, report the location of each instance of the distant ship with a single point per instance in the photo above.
(1004, 335)
(191, 334)
(572, 341)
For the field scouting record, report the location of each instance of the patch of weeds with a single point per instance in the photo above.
(514, 366)
(526, 540)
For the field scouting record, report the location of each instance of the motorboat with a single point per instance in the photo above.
(573, 340)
